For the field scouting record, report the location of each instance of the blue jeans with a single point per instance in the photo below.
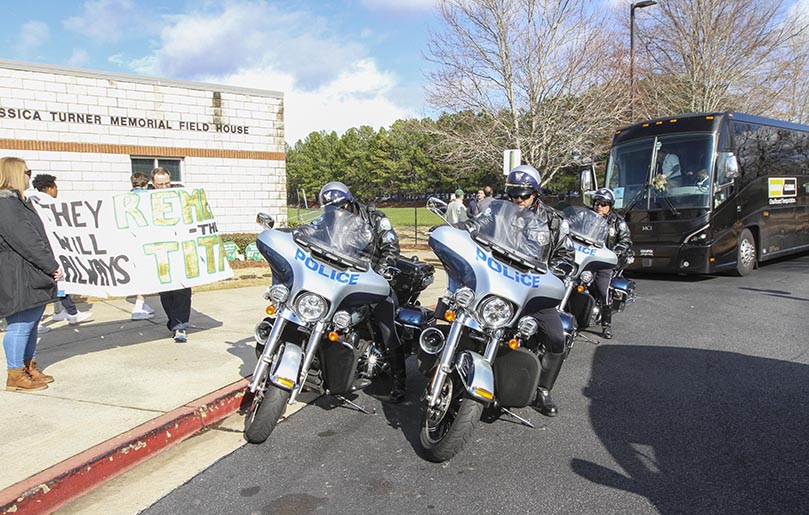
(20, 341)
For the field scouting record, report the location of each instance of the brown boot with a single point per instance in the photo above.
(20, 379)
(36, 373)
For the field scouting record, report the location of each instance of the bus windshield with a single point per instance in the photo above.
(671, 171)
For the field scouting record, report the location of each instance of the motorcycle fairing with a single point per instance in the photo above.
(480, 270)
(307, 272)
(476, 374)
(516, 377)
(286, 373)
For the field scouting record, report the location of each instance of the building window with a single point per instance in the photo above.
(147, 164)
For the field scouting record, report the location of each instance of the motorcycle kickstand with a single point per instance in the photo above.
(355, 405)
(587, 339)
(523, 420)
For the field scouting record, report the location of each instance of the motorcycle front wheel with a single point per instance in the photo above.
(446, 428)
(266, 409)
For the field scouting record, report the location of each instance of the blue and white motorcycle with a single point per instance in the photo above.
(589, 231)
(318, 330)
(488, 356)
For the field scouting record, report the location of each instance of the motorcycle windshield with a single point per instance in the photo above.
(586, 225)
(516, 232)
(338, 235)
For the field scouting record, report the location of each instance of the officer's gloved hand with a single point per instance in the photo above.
(388, 272)
(563, 269)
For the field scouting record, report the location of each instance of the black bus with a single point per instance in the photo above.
(710, 192)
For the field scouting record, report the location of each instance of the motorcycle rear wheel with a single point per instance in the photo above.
(265, 411)
(444, 435)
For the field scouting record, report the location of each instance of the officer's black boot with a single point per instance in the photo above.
(551, 365)
(398, 375)
(606, 322)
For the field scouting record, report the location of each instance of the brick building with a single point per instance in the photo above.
(92, 130)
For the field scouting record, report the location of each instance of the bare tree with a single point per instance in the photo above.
(711, 55)
(534, 74)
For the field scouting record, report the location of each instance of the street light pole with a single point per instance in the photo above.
(632, 7)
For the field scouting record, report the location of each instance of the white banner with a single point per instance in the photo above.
(132, 243)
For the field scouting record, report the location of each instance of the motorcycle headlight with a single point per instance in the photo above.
(495, 312)
(279, 293)
(528, 326)
(587, 277)
(311, 307)
(342, 319)
(464, 297)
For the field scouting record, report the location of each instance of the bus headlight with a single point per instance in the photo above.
(311, 307)
(495, 312)
(699, 237)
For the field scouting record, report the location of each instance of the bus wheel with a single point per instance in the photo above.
(745, 253)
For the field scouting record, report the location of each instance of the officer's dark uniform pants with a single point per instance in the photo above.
(602, 283)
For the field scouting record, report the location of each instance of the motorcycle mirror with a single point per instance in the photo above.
(265, 220)
(438, 207)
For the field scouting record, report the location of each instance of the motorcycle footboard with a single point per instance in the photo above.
(339, 367)
(516, 377)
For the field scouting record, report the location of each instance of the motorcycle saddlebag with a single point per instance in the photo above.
(516, 376)
(339, 365)
(414, 277)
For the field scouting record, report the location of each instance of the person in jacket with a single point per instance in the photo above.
(523, 187)
(456, 211)
(619, 241)
(384, 255)
(28, 275)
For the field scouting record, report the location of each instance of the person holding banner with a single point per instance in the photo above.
(28, 275)
(45, 186)
(176, 303)
(141, 310)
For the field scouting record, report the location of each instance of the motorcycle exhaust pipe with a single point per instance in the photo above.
(432, 340)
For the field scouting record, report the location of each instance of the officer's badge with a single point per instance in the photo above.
(564, 228)
(612, 231)
(385, 225)
(544, 238)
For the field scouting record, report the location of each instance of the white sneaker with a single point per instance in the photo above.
(142, 315)
(81, 316)
(58, 316)
(148, 309)
(41, 329)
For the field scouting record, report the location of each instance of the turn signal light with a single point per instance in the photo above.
(485, 394)
(514, 344)
(580, 288)
(449, 315)
(270, 310)
(333, 336)
(283, 381)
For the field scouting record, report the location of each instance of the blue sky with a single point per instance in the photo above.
(339, 64)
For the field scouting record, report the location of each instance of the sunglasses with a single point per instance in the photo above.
(601, 204)
(520, 197)
(28, 173)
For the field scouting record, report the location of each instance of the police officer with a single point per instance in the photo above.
(523, 187)
(385, 254)
(619, 241)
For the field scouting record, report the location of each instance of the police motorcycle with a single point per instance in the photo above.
(489, 355)
(318, 333)
(589, 231)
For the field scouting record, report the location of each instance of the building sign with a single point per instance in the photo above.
(783, 190)
(134, 243)
(10, 113)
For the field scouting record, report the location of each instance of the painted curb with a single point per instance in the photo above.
(52, 488)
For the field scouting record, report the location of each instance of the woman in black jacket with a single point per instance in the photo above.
(28, 275)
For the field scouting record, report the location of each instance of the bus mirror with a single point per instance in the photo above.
(732, 167)
(588, 181)
(727, 168)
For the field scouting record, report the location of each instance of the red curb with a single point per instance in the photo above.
(52, 488)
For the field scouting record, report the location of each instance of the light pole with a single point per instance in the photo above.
(632, 7)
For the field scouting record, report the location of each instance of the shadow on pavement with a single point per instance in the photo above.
(698, 431)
